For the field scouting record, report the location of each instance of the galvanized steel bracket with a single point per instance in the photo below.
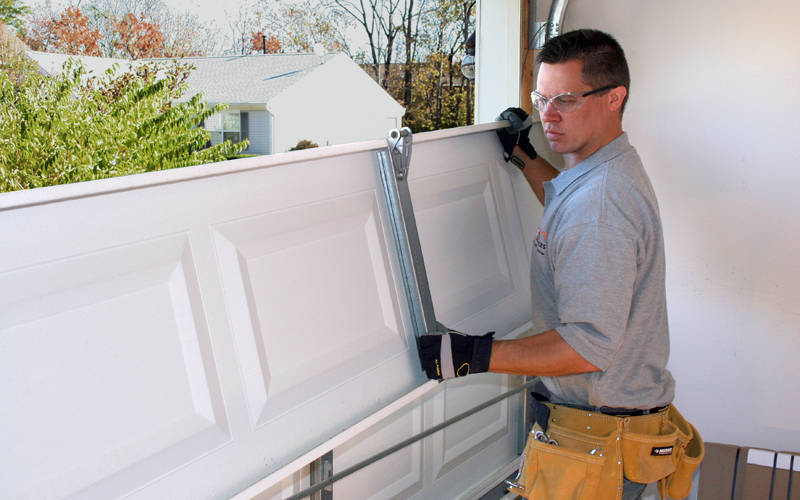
(394, 162)
(400, 150)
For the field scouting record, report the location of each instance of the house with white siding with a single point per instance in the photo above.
(277, 100)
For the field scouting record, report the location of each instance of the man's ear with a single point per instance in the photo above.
(617, 97)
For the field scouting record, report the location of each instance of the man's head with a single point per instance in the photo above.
(602, 58)
(581, 91)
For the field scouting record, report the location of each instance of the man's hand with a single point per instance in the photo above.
(448, 354)
(516, 134)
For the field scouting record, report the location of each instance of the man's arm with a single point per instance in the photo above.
(536, 172)
(546, 354)
(448, 353)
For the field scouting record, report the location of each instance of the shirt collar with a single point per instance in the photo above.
(602, 155)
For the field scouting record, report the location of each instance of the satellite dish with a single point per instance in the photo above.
(319, 50)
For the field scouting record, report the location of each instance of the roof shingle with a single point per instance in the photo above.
(248, 79)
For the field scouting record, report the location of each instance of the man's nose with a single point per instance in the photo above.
(550, 114)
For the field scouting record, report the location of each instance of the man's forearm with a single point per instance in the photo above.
(536, 172)
(546, 354)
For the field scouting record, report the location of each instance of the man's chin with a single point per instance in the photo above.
(556, 147)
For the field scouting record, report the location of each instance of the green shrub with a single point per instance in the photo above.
(304, 144)
(65, 128)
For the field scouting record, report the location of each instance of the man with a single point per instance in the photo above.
(601, 339)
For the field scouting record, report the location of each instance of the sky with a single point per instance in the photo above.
(209, 10)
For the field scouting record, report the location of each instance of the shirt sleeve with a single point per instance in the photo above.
(595, 268)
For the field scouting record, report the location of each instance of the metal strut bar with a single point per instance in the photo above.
(394, 163)
(399, 446)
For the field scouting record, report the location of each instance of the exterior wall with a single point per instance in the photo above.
(723, 160)
(356, 108)
(260, 133)
(258, 129)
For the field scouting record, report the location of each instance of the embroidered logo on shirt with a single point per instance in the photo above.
(540, 242)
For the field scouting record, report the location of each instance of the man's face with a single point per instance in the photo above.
(582, 132)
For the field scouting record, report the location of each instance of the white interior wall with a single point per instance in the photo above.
(724, 162)
(497, 58)
(714, 114)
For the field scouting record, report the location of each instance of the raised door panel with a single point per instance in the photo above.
(465, 439)
(396, 477)
(470, 232)
(477, 449)
(107, 373)
(182, 336)
(471, 212)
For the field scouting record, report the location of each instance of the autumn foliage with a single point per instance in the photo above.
(260, 42)
(138, 38)
(97, 31)
(69, 33)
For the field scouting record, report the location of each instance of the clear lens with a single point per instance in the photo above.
(539, 102)
(566, 103)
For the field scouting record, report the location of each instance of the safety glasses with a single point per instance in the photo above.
(566, 102)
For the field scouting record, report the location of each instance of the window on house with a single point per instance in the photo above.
(225, 127)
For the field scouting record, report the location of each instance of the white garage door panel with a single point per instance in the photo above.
(292, 274)
(463, 202)
(102, 356)
(183, 340)
(446, 464)
(468, 437)
(470, 231)
(398, 476)
(184, 334)
(469, 219)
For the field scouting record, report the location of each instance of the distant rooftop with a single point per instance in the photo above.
(95, 66)
(230, 79)
(248, 79)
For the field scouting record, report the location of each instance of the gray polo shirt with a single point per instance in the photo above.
(597, 278)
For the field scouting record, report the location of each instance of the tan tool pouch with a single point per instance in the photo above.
(649, 448)
(578, 463)
(588, 453)
(690, 453)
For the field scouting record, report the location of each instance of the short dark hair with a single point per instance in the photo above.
(602, 56)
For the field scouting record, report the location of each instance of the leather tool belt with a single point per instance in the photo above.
(582, 455)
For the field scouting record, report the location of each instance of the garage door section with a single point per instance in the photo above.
(184, 334)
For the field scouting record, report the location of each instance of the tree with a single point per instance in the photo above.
(12, 12)
(242, 26)
(299, 27)
(260, 42)
(378, 20)
(123, 28)
(59, 130)
(69, 33)
(138, 38)
(13, 62)
(186, 36)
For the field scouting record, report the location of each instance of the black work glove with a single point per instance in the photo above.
(516, 134)
(448, 353)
